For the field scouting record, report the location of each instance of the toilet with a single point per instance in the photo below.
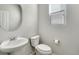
(40, 49)
(43, 49)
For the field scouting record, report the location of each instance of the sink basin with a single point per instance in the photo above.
(13, 45)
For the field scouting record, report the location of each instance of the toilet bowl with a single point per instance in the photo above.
(43, 49)
(40, 49)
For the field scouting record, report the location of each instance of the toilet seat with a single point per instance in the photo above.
(44, 49)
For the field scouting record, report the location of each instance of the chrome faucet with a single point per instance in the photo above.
(12, 38)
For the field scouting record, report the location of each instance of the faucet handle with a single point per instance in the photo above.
(12, 38)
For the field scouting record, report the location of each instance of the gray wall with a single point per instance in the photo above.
(68, 34)
(28, 26)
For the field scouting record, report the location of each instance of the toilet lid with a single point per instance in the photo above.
(43, 47)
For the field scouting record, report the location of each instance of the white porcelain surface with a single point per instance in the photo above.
(13, 45)
(43, 49)
(35, 40)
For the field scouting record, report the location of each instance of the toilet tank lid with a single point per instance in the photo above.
(34, 37)
(43, 47)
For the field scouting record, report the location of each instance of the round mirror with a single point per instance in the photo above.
(10, 17)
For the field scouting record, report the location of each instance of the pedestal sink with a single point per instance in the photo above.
(10, 46)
